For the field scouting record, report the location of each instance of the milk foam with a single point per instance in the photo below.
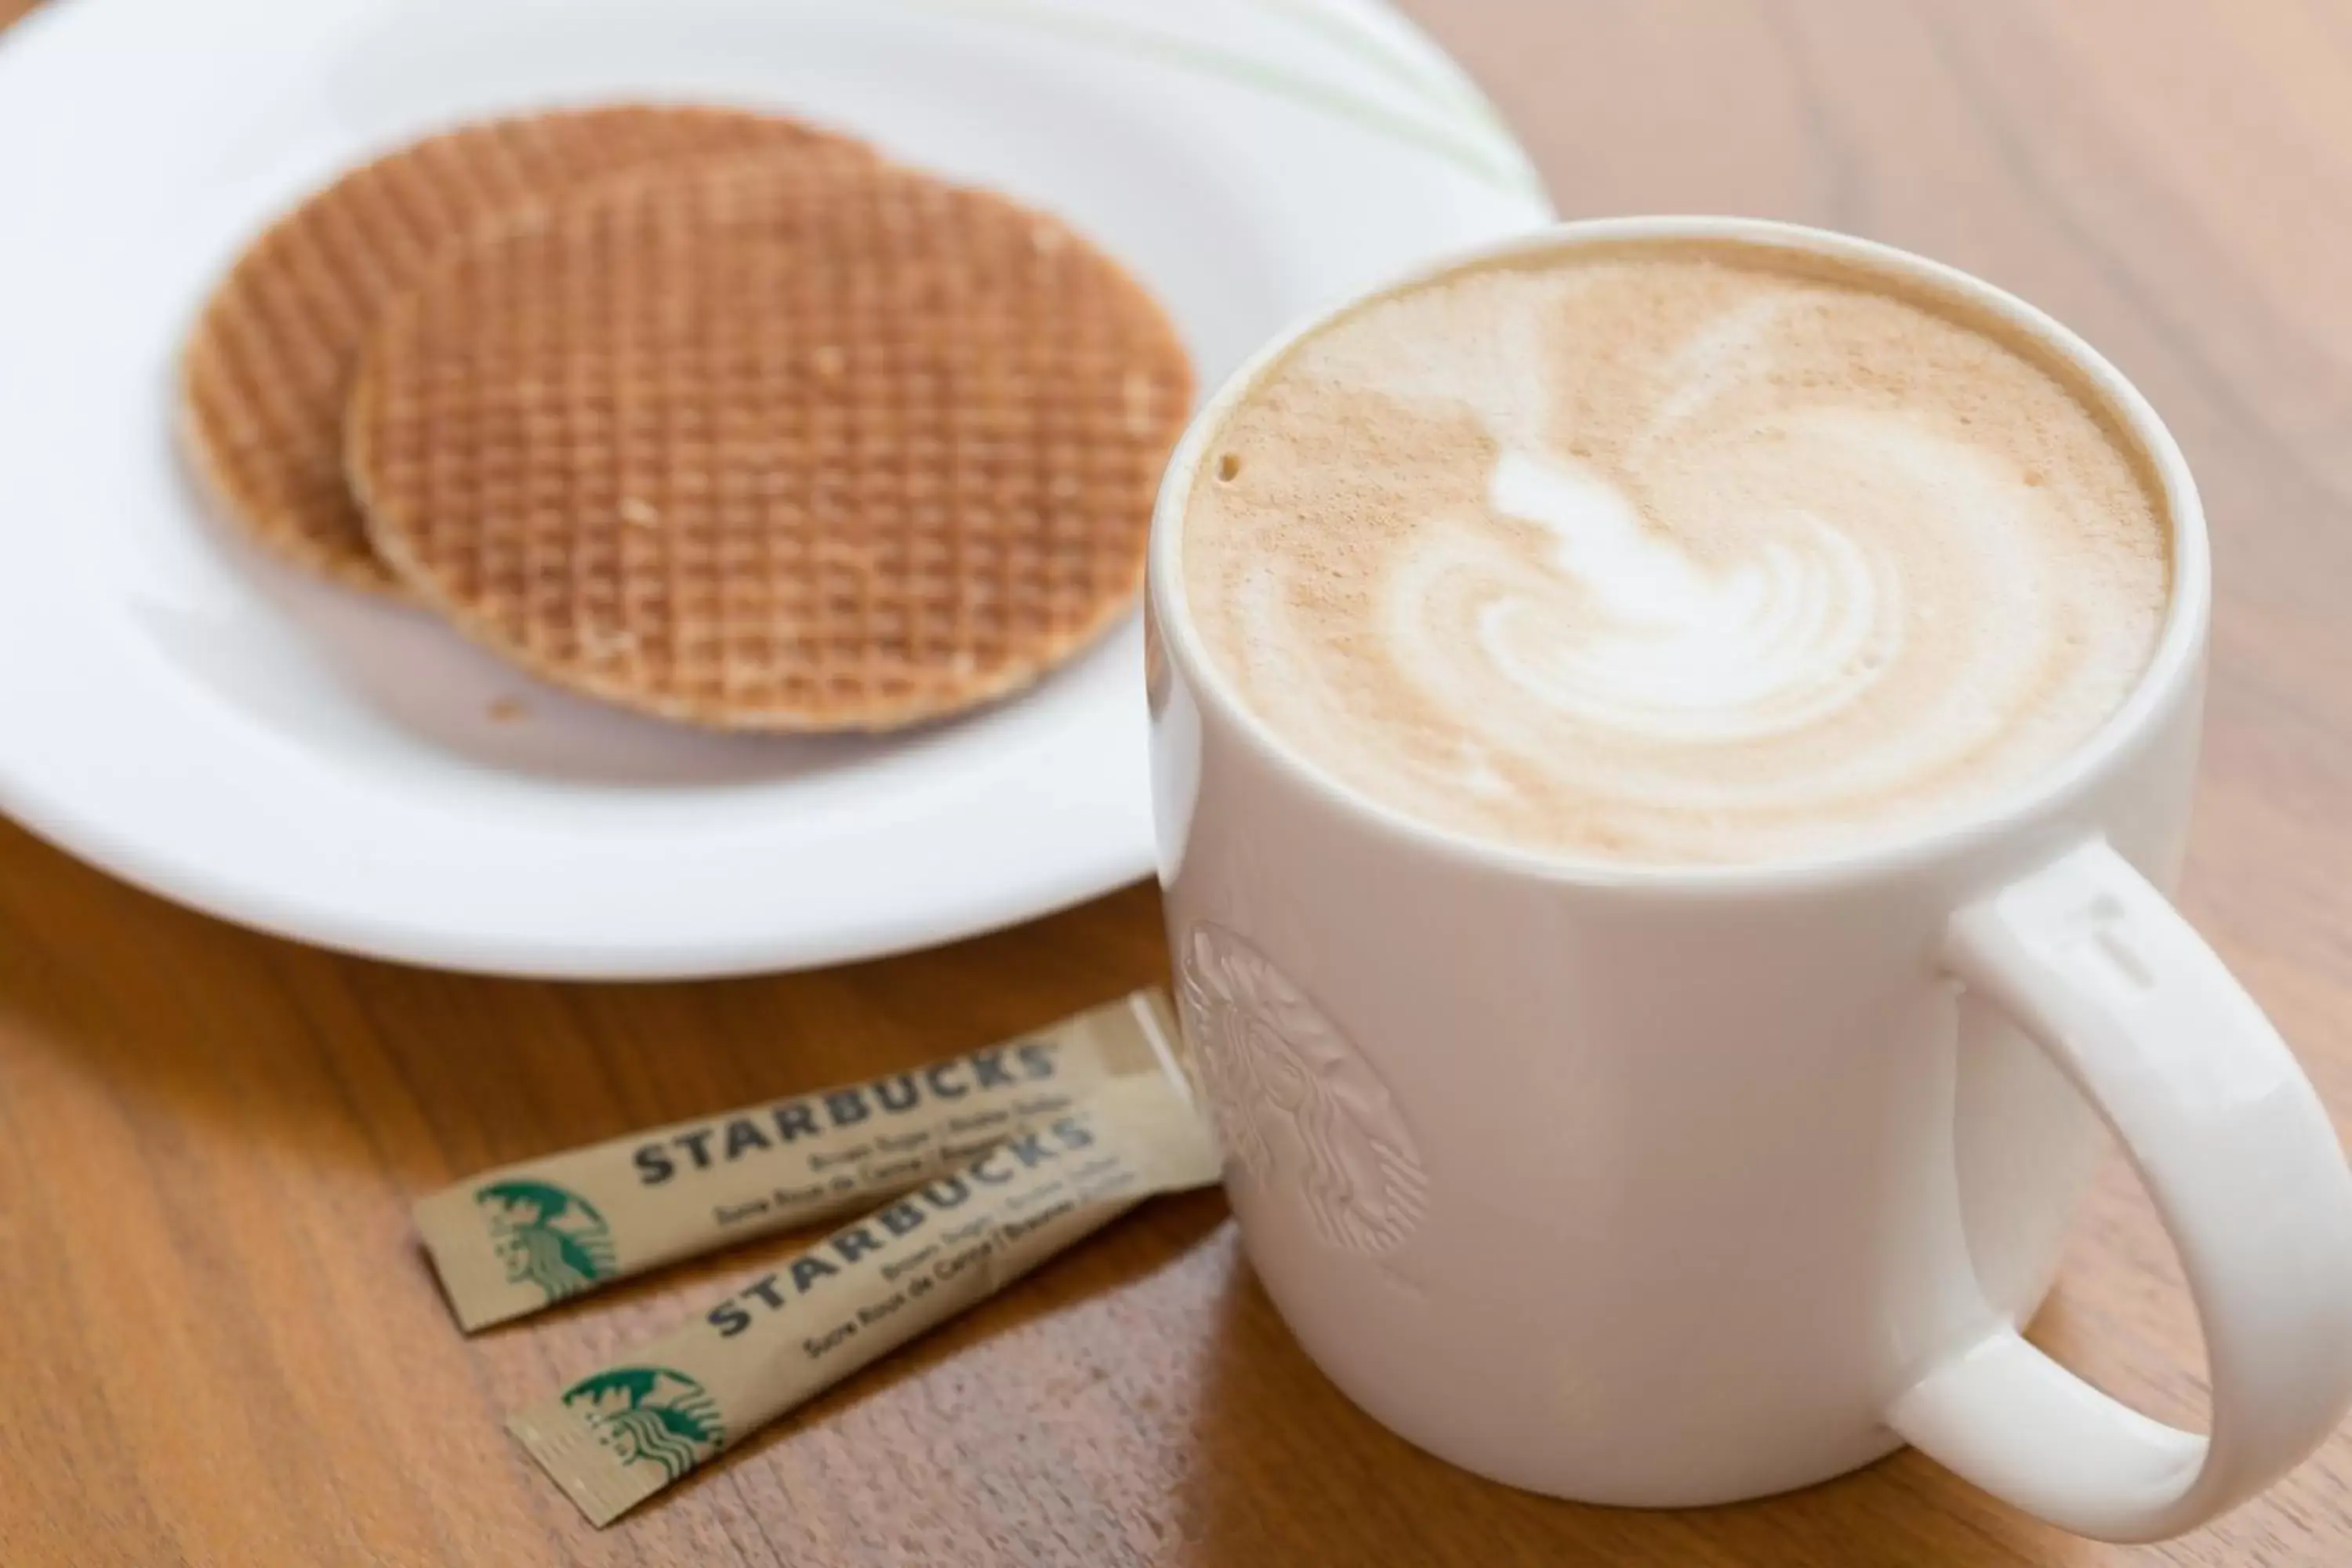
(1673, 555)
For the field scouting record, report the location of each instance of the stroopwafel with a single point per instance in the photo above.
(267, 367)
(781, 445)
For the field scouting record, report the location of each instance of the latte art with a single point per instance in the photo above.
(1672, 555)
(1666, 649)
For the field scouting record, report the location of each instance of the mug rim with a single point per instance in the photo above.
(2173, 664)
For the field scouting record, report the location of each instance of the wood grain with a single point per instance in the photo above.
(222, 1347)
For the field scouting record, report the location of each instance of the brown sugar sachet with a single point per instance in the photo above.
(517, 1238)
(619, 1435)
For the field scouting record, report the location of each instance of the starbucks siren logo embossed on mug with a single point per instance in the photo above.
(1294, 1101)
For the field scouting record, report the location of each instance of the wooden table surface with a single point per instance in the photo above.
(221, 1345)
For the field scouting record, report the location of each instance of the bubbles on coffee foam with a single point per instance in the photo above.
(1707, 582)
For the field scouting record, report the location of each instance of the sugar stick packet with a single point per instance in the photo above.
(623, 1433)
(513, 1240)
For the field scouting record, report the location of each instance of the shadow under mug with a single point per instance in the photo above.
(1677, 1186)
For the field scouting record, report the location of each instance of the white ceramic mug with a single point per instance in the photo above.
(1677, 1186)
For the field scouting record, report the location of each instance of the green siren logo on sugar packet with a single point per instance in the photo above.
(547, 1237)
(652, 1415)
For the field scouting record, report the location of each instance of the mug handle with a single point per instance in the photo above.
(2235, 1149)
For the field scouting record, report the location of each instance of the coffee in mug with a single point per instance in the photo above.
(1673, 552)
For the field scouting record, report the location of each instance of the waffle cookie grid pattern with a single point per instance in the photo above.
(269, 363)
(780, 442)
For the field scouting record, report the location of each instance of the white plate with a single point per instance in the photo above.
(279, 752)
